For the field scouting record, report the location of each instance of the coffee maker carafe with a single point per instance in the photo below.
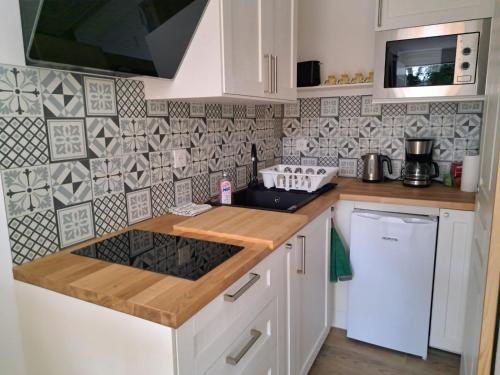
(419, 167)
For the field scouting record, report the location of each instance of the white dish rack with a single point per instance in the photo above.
(297, 177)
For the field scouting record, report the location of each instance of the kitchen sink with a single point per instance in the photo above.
(260, 197)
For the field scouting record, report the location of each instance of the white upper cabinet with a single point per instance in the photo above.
(243, 50)
(395, 14)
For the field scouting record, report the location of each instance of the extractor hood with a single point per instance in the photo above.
(125, 37)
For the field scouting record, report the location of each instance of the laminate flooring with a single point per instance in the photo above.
(343, 356)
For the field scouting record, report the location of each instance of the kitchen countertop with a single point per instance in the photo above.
(171, 301)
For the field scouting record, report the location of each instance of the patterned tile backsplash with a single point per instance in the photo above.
(85, 155)
(337, 131)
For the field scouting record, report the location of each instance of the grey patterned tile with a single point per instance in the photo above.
(310, 107)
(100, 96)
(417, 108)
(104, 137)
(240, 111)
(470, 107)
(214, 111)
(20, 92)
(183, 192)
(62, 94)
(241, 177)
(133, 133)
(110, 214)
(214, 183)
(139, 206)
(291, 109)
(250, 111)
(162, 198)
(393, 109)
(75, 224)
(67, 139)
(71, 183)
(33, 236)
(328, 161)
(27, 190)
(159, 134)
(368, 108)
(107, 176)
(329, 107)
(161, 170)
(443, 108)
(130, 98)
(350, 106)
(468, 126)
(201, 188)
(136, 171)
(197, 109)
(157, 107)
(348, 167)
(23, 142)
(227, 111)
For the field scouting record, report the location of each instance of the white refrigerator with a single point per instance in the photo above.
(392, 257)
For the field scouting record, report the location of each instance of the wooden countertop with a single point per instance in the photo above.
(171, 301)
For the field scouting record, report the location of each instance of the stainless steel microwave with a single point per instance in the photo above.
(436, 61)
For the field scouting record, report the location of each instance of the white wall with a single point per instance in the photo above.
(11, 357)
(339, 33)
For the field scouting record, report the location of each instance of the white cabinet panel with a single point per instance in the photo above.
(394, 14)
(450, 280)
(245, 44)
(285, 48)
(308, 278)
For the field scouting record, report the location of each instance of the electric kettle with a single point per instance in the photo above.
(373, 170)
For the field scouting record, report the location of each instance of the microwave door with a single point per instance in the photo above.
(420, 62)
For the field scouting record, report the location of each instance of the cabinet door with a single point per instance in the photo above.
(308, 298)
(394, 14)
(450, 280)
(247, 46)
(285, 48)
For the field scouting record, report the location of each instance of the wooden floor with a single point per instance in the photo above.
(342, 356)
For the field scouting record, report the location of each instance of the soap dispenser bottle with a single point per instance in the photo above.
(225, 189)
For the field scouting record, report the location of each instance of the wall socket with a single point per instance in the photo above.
(179, 158)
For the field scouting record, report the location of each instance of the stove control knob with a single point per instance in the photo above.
(465, 65)
(466, 51)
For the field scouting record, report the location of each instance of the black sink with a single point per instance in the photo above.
(273, 199)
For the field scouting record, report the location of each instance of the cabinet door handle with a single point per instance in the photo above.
(302, 269)
(269, 74)
(233, 297)
(379, 13)
(255, 334)
(275, 74)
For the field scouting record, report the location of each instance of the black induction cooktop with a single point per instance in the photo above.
(183, 257)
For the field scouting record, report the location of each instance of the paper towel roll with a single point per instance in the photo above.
(470, 173)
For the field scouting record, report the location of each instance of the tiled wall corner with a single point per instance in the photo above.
(87, 155)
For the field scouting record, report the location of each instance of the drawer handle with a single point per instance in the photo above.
(234, 360)
(302, 270)
(233, 297)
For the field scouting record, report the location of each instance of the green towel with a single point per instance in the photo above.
(340, 266)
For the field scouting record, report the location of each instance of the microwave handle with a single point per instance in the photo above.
(379, 13)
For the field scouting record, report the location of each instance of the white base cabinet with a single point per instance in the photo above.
(308, 265)
(450, 279)
(395, 14)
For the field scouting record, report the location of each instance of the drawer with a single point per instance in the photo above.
(217, 325)
(254, 351)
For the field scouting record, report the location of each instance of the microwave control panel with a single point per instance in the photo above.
(466, 59)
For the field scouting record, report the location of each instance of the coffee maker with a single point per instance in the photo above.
(419, 167)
